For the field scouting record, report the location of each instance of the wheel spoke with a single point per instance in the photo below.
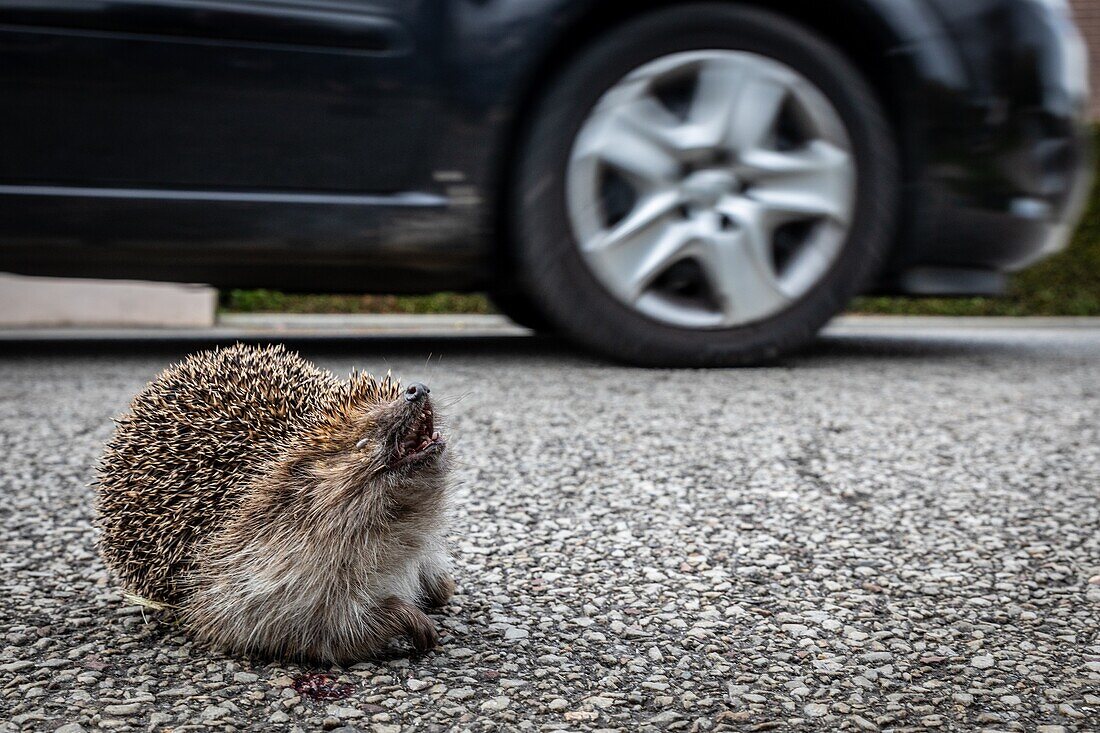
(648, 118)
(758, 219)
(815, 181)
(629, 145)
(735, 105)
(647, 213)
(755, 111)
(816, 158)
(740, 271)
(635, 259)
(712, 106)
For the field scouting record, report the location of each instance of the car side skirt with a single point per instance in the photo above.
(315, 241)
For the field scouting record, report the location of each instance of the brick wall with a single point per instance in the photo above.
(1087, 15)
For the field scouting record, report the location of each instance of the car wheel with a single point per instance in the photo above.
(706, 185)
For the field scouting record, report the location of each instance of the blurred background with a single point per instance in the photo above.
(128, 157)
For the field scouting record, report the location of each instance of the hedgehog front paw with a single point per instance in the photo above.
(405, 619)
(436, 588)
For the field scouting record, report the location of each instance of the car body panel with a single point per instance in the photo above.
(218, 94)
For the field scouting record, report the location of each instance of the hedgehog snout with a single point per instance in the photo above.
(416, 393)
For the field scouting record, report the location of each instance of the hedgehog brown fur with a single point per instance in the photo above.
(280, 510)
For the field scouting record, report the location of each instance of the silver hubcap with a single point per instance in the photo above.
(709, 189)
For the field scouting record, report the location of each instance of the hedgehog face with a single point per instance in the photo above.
(381, 449)
(403, 438)
(402, 452)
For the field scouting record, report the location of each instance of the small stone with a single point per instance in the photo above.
(664, 718)
(581, 715)
(494, 704)
(70, 728)
(1051, 729)
(460, 693)
(416, 685)
(131, 708)
(735, 717)
(963, 698)
(278, 717)
(815, 709)
(1069, 711)
(982, 662)
(213, 712)
(863, 724)
(558, 704)
(184, 691)
(246, 677)
(513, 633)
(344, 712)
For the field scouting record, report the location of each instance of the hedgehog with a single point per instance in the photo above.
(279, 511)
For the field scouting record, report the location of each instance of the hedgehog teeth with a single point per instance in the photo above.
(420, 437)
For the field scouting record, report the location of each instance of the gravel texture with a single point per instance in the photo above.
(890, 532)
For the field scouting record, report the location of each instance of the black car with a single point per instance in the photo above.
(668, 183)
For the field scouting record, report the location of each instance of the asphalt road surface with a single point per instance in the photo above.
(892, 531)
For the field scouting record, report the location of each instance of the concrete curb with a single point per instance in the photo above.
(366, 322)
(276, 326)
(962, 322)
(44, 302)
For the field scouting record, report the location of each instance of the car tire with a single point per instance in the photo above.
(519, 309)
(572, 294)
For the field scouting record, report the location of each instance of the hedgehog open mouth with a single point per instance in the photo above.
(420, 440)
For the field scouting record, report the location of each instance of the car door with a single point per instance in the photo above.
(303, 95)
